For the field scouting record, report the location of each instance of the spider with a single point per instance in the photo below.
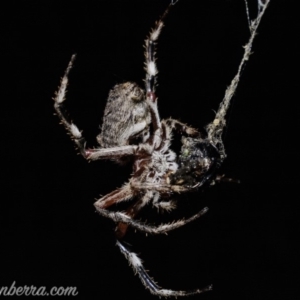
(132, 131)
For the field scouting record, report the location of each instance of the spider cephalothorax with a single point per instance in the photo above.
(133, 131)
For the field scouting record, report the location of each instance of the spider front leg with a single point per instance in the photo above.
(60, 97)
(148, 282)
(150, 64)
(151, 70)
(75, 133)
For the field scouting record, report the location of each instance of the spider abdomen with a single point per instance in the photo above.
(126, 117)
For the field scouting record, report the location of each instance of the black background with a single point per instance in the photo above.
(50, 233)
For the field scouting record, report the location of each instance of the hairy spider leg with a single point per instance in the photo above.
(76, 134)
(151, 75)
(126, 193)
(138, 268)
(151, 80)
(150, 64)
(132, 212)
(216, 127)
(60, 97)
